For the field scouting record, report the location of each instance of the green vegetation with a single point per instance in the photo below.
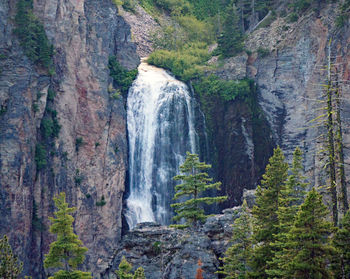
(341, 242)
(50, 127)
(344, 14)
(101, 202)
(231, 41)
(40, 156)
(36, 221)
(78, 143)
(237, 256)
(78, 178)
(67, 252)
(288, 205)
(309, 249)
(185, 63)
(227, 90)
(122, 77)
(265, 213)
(10, 266)
(194, 183)
(31, 34)
(124, 271)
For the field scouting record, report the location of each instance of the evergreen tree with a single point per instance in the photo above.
(309, 250)
(265, 214)
(67, 251)
(124, 270)
(194, 182)
(231, 40)
(139, 273)
(236, 256)
(289, 202)
(341, 241)
(10, 267)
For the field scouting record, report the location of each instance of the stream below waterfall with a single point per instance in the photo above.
(161, 128)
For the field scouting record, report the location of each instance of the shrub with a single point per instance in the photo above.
(31, 35)
(120, 75)
(51, 94)
(78, 178)
(293, 17)
(129, 5)
(228, 90)
(263, 52)
(102, 202)
(185, 64)
(50, 128)
(78, 143)
(40, 156)
(35, 107)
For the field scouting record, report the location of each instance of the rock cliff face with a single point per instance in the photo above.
(88, 160)
(290, 79)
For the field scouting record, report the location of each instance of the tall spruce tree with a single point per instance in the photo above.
(194, 183)
(265, 214)
(237, 256)
(289, 202)
(341, 241)
(231, 41)
(309, 250)
(10, 267)
(67, 251)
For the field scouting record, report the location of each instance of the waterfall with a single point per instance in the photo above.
(160, 123)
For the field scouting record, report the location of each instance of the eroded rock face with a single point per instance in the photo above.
(84, 34)
(290, 82)
(171, 253)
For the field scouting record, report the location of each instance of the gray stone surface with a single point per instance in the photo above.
(84, 33)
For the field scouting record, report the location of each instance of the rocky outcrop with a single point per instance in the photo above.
(171, 253)
(88, 160)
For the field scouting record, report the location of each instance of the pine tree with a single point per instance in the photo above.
(67, 251)
(309, 250)
(265, 214)
(139, 273)
(231, 40)
(341, 241)
(289, 202)
(10, 267)
(194, 182)
(236, 256)
(124, 270)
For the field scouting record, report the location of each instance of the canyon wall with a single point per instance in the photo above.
(88, 160)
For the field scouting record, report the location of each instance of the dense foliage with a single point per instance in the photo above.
(67, 252)
(265, 213)
(185, 63)
(237, 256)
(229, 90)
(124, 271)
(10, 267)
(32, 36)
(120, 75)
(194, 183)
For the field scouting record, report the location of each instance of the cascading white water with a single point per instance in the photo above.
(160, 123)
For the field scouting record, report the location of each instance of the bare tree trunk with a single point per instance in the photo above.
(330, 135)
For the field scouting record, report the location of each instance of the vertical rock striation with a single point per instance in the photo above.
(88, 160)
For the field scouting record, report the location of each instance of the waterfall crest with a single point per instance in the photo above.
(160, 123)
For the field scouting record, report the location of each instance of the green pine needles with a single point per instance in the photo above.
(67, 252)
(237, 256)
(32, 36)
(10, 267)
(124, 271)
(194, 183)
